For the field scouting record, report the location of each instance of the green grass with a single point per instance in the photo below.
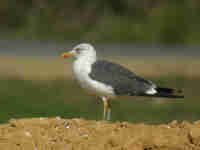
(49, 98)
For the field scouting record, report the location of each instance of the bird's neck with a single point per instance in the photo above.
(89, 59)
(83, 64)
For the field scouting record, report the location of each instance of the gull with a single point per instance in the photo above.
(109, 80)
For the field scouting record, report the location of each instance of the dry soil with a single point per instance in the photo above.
(79, 134)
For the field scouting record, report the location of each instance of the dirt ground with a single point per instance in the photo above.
(79, 134)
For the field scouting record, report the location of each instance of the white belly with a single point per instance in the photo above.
(81, 71)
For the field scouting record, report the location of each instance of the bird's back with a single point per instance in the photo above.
(123, 81)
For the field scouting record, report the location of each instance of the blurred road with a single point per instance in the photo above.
(51, 48)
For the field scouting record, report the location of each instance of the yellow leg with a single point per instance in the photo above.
(105, 103)
(107, 109)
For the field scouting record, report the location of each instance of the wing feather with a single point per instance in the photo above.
(123, 81)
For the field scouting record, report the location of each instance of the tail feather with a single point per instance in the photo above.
(168, 95)
(167, 92)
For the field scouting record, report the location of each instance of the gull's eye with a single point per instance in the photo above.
(78, 50)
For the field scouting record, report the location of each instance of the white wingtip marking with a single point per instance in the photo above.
(151, 91)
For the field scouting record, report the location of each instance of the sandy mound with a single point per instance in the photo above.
(79, 134)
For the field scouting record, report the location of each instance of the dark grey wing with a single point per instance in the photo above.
(123, 81)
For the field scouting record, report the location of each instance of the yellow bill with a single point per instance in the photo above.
(66, 55)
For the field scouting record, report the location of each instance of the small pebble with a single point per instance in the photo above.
(58, 118)
(28, 134)
(66, 125)
(42, 118)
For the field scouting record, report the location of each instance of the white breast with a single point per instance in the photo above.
(81, 69)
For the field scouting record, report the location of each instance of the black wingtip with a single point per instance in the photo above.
(164, 95)
(169, 96)
(169, 90)
(175, 96)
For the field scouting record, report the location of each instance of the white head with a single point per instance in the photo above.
(81, 50)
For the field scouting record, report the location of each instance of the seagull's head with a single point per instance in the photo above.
(81, 50)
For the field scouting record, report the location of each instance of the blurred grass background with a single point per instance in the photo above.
(122, 21)
(46, 88)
